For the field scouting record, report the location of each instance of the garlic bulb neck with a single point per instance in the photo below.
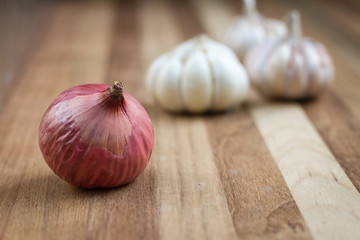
(250, 8)
(201, 40)
(116, 91)
(294, 26)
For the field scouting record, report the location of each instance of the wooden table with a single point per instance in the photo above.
(268, 170)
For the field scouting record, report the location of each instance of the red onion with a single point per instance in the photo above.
(96, 136)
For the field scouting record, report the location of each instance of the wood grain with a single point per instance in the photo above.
(259, 172)
(340, 130)
(259, 200)
(22, 24)
(326, 197)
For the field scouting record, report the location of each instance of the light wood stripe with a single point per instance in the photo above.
(191, 201)
(326, 197)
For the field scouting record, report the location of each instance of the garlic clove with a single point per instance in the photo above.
(296, 83)
(313, 63)
(184, 49)
(277, 61)
(228, 90)
(167, 83)
(153, 72)
(196, 85)
(318, 59)
(219, 49)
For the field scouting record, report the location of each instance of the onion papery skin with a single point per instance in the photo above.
(92, 140)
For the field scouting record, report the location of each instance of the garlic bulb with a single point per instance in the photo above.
(292, 67)
(199, 75)
(251, 29)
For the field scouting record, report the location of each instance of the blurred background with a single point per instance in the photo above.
(24, 24)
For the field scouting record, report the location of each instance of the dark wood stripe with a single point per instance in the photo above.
(325, 23)
(350, 5)
(340, 131)
(125, 63)
(188, 22)
(258, 197)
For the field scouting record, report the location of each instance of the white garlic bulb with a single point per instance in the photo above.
(251, 29)
(197, 76)
(292, 67)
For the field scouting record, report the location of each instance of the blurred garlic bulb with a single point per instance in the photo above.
(199, 75)
(292, 67)
(251, 29)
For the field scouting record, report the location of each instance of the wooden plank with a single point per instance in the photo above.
(326, 197)
(21, 32)
(34, 203)
(151, 47)
(224, 17)
(345, 14)
(191, 201)
(353, 4)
